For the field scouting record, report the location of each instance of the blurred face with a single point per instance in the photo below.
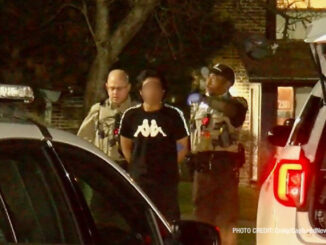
(152, 91)
(217, 85)
(118, 89)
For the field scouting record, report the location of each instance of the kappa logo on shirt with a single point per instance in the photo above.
(149, 130)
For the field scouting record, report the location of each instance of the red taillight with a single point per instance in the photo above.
(290, 182)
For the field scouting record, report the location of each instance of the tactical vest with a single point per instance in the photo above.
(101, 127)
(210, 129)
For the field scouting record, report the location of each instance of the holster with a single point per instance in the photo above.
(208, 161)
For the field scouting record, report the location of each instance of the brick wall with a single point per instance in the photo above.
(247, 15)
(67, 113)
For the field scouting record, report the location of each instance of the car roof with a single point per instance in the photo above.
(19, 129)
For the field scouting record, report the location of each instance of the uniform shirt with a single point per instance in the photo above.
(100, 126)
(154, 136)
(221, 131)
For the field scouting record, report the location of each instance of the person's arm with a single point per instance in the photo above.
(87, 129)
(126, 143)
(182, 146)
(126, 147)
(238, 109)
(235, 109)
(181, 134)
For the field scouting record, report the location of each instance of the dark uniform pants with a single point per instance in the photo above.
(165, 198)
(215, 193)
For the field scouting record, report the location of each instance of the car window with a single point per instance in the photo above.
(6, 234)
(32, 195)
(120, 213)
(302, 130)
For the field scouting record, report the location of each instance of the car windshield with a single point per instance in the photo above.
(32, 198)
(120, 214)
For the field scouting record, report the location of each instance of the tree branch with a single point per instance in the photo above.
(166, 34)
(289, 19)
(61, 8)
(128, 27)
(83, 10)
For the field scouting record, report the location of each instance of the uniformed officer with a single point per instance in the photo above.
(216, 119)
(101, 125)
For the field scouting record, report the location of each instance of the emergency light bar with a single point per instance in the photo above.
(16, 92)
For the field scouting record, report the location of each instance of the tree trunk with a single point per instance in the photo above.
(99, 69)
(95, 87)
(109, 46)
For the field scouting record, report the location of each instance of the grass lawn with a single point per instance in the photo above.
(247, 209)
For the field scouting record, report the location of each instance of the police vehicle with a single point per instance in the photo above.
(292, 201)
(56, 188)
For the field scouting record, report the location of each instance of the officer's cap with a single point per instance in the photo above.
(224, 71)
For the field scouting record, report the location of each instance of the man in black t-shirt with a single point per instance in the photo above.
(154, 139)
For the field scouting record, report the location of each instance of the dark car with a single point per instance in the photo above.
(56, 188)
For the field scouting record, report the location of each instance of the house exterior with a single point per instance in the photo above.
(275, 83)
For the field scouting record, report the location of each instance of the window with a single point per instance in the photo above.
(33, 197)
(301, 4)
(300, 13)
(285, 104)
(119, 212)
(5, 230)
